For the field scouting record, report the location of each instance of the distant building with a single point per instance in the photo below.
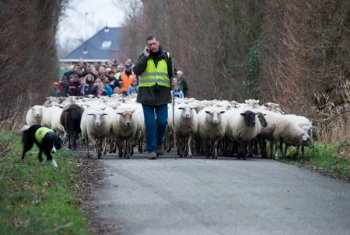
(104, 46)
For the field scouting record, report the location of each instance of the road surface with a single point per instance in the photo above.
(224, 196)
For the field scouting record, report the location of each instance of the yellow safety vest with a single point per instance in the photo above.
(155, 74)
(41, 132)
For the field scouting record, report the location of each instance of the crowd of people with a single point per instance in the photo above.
(108, 79)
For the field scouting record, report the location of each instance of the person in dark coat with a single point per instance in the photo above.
(154, 66)
(182, 83)
(73, 85)
(84, 88)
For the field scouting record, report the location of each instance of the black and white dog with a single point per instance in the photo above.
(45, 138)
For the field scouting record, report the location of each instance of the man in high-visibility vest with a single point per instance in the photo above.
(154, 66)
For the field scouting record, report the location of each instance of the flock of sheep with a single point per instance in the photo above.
(200, 127)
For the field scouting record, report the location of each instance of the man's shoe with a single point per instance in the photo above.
(152, 156)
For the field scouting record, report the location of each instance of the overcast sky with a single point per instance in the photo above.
(83, 18)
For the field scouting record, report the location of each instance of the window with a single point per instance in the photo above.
(85, 51)
(106, 44)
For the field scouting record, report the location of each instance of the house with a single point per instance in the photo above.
(104, 46)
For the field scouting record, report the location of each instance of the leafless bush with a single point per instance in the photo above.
(27, 57)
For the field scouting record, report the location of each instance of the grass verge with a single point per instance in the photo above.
(329, 159)
(34, 197)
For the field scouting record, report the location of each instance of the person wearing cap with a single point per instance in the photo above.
(154, 66)
(55, 90)
(107, 86)
(126, 78)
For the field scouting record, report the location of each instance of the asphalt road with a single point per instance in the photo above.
(223, 196)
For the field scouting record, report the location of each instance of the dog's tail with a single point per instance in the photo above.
(24, 128)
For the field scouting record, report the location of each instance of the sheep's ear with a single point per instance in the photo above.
(194, 106)
(58, 105)
(262, 119)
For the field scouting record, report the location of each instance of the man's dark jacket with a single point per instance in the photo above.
(155, 95)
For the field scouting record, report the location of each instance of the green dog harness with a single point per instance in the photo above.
(41, 132)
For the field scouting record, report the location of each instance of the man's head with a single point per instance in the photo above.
(152, 43)
(179, 74)
(128, 67)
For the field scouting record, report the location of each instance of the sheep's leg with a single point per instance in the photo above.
(244, 150)
(277, 149)
(127, 149)
(249, 148)
(74, 141)
(87, 148)
(262, 144)
(215, 149)
(182, 142)
(69, 142)
(272, 143)
(179, 147)
(255, 149)
(284, 153)
(189, 150)
(302, 151)
(120, 150)
(139, 147)
(98, 147)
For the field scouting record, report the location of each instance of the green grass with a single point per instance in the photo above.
(325, 158)
(35, 198)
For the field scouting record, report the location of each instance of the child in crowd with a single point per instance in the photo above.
(84, 88)
(134, 87)
(117, 92)
(94, 88)
(177, 92)
(90, 79)
(108, 89)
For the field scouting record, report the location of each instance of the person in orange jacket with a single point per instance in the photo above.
(126, 78)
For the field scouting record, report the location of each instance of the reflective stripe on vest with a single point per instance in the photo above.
(41, 132)
(155, 75)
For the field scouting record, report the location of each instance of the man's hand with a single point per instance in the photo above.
(146, 51)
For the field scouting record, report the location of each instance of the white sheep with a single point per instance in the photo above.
(124, 129)
(35, 114)
(95, 127)
(140, 135)
(243, 126)
(52, 119)
(186, 126)
(305, 124)
(284, 129)
(211, 129)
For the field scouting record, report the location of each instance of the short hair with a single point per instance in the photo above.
(151, 36)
